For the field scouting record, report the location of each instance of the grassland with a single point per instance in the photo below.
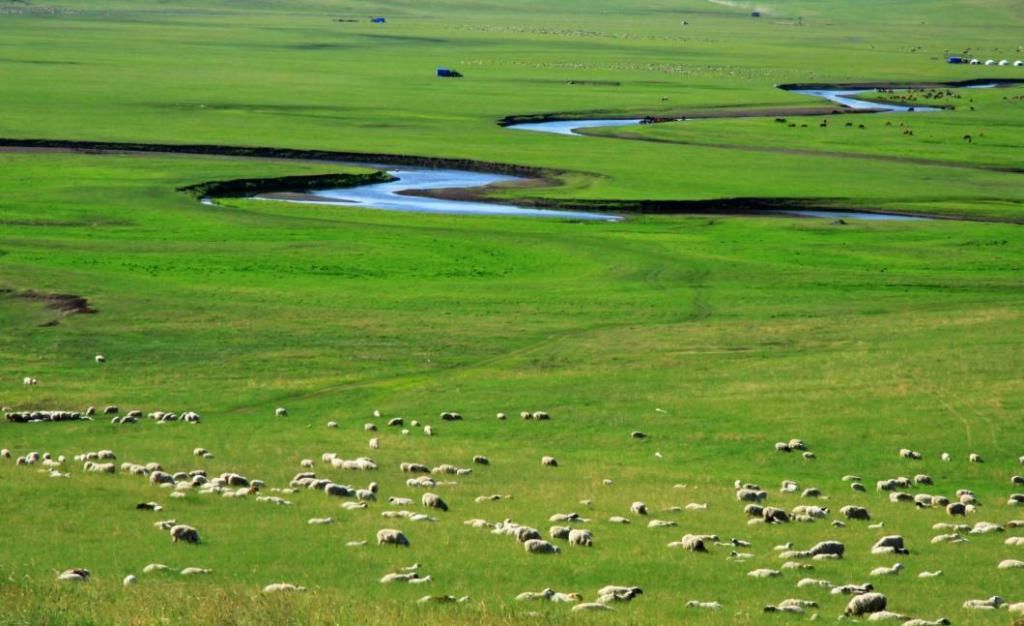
(715, 336)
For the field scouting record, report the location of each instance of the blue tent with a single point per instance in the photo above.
(378, 20)
(444, 72)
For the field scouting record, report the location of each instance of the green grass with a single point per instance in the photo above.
(716, 336)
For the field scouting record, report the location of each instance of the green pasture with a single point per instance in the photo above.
(716, 336)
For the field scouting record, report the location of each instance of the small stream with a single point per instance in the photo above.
(396, 195)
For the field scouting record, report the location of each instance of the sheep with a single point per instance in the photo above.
(866, 603)
(539, 546)
(887, 571)
(428, 431)
(396, 421)
(697, 604)
(182, 532)
(390, 536)
(306, 463)
(618, 519)
(1014, 541)
(923, 479)
(942, 621)
(282, 587)
(433, 501)
(910, 454)
(985, 605)
(404, 577)
(195, 571)
(332, 424)
(772, 515)
(782, 446)
(451, 417)
(751, 495)
(852, 589)
(619, 593)
(889, 544)
(280, 412)
(695, 506)
(414, 468)
(753, 510)
(501, 417)
(794, 602)
(956, 508)
(887, 616)
(370, 428)
(559, 532)
(581, 537)
(148, 506)
(374, 443)
(320, 521)
(591, 606)
(1010, 564)
(129, 580)
(353, 506)
(810, 456)
(638, 508)
(76, 574)
(858, 487)
(524, 534)
(811, 492)
(984, 528)
(975, 458)
(855, 512)
(481, 460)
(796, 565)
(788, 486)
(764, 573)
(549, 461)
(949, 538)
(927, 574)
(813, 582)
(661, 523)
(1016, 607)
(528, 596)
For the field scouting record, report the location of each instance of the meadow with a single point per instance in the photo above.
(715, 335)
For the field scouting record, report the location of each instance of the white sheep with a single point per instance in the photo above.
(280, 411)
(581, 537)
(391, 536)
(282, 587)
(638, 508)
(764, 573)
(697, 604)
(549, 461)
(539, 546)
(887, 571)
(433, 501)
(985, 605)
(866, 603)
(183, 532)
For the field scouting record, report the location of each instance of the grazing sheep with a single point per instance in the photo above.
(443, 600)
(813, 582)
(984, 528)
(695, 506)
(946, 458)
(529, 596)
(782, 446)
(949, 538)
(942, 621)
(370, 428)
(985, 605)
(830, 547)
(539, 546)
(887, 571)
(975, 458)
(320, 521)
(956, 508)
(788, 486)
(923, 479)
(855, 512)
(391, 536)
(549, 461)
(581, 537)
(77, 574)
(927, 574)
(195, 571)
(396, 421)
(501, 417)
(764, 573)
(281, 412)
(661, 523)
(481, 460)
(811, 492)
(773, 515)
(332, 424)
(591, 606)
(1010, 564)
(889, 544)
(559, 532)
(433, 501)
(617, 593)
(858, 487)
(618, 519)
(638, 508)
(697, 604)
(129, 580)
(1014, 541)
(810, 456)
(751, 495)
(182, 532)
(525, 533)
(866, 603)
(282, 587)
(910, 454)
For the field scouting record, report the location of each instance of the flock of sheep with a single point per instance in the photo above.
(570, 530)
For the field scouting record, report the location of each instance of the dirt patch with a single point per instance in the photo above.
(64, 303)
